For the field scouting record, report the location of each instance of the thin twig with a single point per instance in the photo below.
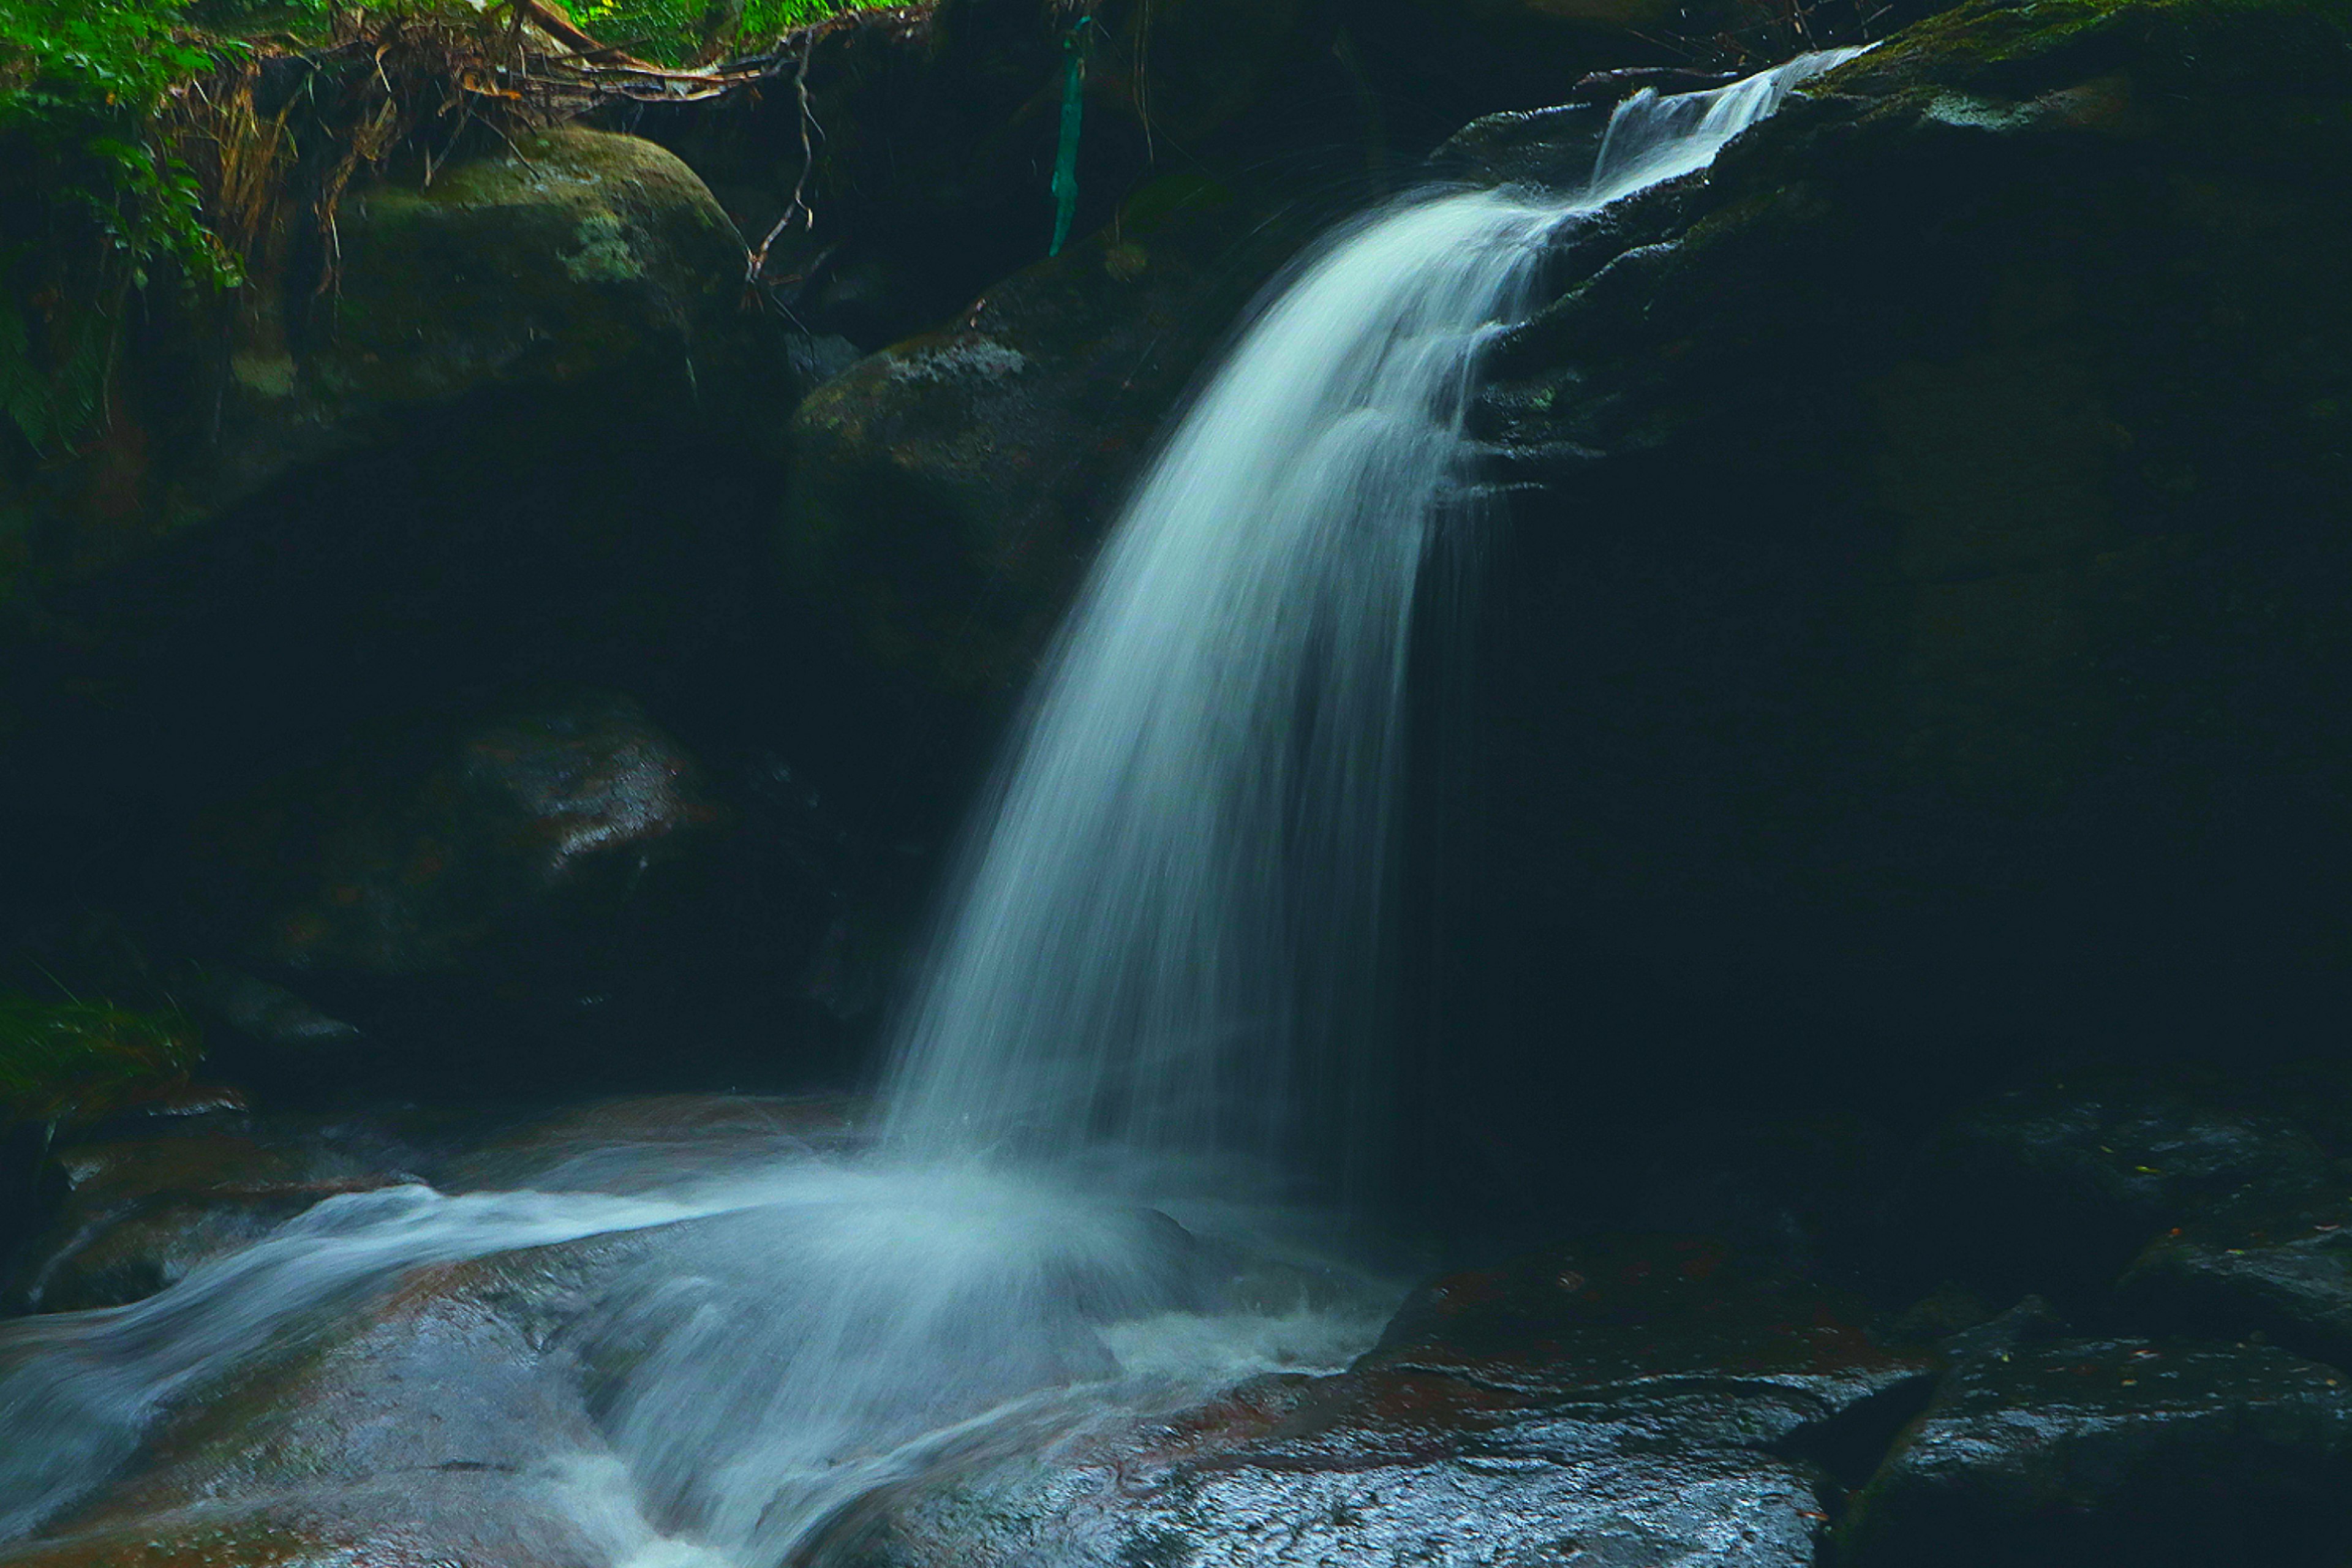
(757, 264)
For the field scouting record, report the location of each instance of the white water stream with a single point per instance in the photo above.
(1163, 959)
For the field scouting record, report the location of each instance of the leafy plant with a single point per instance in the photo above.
(70, 1062)
(674, 31)
(96, 199)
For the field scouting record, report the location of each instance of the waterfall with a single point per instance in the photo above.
(1167, 935)
(1162, 948)
(1166, 940)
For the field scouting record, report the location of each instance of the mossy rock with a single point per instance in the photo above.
(575, 255)
(577, 265)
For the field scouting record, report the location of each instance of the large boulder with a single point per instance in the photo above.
(1918, 637)
(547, 877)
(578, 266)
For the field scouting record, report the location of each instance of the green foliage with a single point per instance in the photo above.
(678, 30)
(96, 200)
(71, 1061)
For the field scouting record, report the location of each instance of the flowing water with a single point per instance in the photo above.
(1168, 939)
(1156, 991)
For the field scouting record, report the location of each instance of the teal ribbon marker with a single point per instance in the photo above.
(1073, 114)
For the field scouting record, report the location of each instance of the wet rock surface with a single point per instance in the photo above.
(156, 1198)
(2041, 1449)
(138, 1216)
(1646, 1400)
(428, 1423)
(1634, 1399)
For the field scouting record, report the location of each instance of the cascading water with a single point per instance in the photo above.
(1172, 920)
(1167, 942)
(1163, 953)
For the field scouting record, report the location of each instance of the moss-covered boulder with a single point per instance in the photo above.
(1920, 633)
(509, 444)
(577, 265)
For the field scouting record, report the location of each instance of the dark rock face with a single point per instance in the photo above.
(2058, 1187)
(2069, 1451)
(2146, 1200)
(935, 132)
(1514, 55)
(505, 843)
(451, 889)
(1917, 624)
(1643, 1400)
(949, 492)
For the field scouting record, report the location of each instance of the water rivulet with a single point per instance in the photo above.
(1156, 991)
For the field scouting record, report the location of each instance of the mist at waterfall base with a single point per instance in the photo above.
(1145, 1040)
